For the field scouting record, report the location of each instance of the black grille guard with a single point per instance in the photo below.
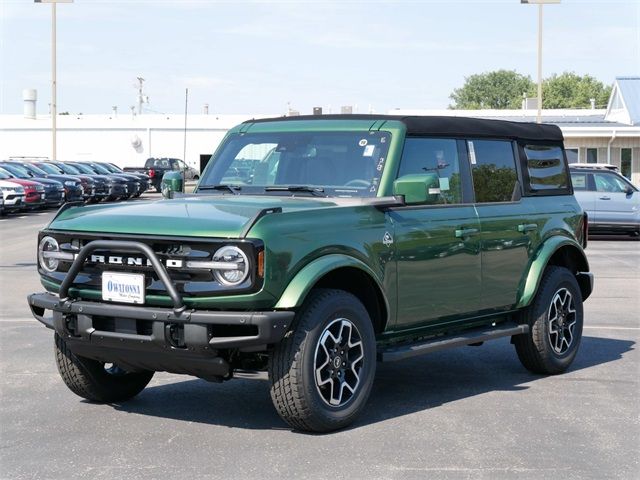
(122, 246)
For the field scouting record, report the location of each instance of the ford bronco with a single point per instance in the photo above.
(314, 247)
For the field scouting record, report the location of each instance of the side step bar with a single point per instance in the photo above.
(400, 352)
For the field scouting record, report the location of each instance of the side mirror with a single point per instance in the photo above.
(171, 182)
(418, 188)
(629, 190)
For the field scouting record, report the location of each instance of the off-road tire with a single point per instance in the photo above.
(88, 378)
(292, 366)
(535, 349)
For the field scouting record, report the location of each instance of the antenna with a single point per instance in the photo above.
(184, 152)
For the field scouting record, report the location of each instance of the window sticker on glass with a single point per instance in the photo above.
(472, 153)
(579, 181)
(368, 151)
(444, 183)
(434, 191)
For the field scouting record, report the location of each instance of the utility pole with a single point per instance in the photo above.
(141, 96)
(54, 105)
(540, 3)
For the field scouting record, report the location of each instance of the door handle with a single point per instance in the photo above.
(527, 227)
(605, 198)
(466, 232)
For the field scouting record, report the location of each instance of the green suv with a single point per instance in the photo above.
(314, 247)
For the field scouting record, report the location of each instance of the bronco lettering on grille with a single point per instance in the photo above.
(133, 261)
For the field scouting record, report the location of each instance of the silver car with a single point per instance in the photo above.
(610, 200)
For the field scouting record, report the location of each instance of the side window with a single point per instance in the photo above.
(580, 182)
(609, 183)
(546, 169)
(572, 155)
(175, 165)
(434, 155)
(494, 170)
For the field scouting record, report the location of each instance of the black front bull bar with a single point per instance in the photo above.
(269, 326)
(127, 246)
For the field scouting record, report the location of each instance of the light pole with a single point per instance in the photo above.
(54, 105)
(540, 3)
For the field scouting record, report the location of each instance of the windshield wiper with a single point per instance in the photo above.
(296, 188)
(232, 188)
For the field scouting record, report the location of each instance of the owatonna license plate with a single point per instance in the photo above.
(123, 287)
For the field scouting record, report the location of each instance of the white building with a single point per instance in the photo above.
(605, 136)
(610, 135)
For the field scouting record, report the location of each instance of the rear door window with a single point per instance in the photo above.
(493, 167)
(580, 181)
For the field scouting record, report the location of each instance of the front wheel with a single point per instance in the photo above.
(322, 372)
(555, 324)
(96, 381)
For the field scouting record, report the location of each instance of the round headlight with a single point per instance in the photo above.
(238, 268)
(46, 247)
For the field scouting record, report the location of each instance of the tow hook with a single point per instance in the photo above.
(174, 334)
(71, 324)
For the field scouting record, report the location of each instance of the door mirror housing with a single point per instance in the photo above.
(418, 188)
(171, 182)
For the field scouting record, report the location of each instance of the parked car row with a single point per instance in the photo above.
(28, 184)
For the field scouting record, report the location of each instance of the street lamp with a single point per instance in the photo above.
(540, 3)
(54, 106)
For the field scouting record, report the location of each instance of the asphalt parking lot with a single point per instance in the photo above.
(469, 413)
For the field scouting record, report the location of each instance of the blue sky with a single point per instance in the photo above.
(256, 56)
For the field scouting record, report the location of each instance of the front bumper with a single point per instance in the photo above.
(141, 325)
(13, 203)
(35, 200)
(54, 197)
(149, 338)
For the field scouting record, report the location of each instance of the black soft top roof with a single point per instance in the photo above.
(449, 126)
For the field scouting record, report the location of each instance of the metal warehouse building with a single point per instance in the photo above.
(610, 135)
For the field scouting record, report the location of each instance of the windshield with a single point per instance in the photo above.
(17, 171)
(35, 170)
(50, 168)
(100, 169)
(111, 168)
(83, 168)
(68, 169)
(3, 175)
(344, 164)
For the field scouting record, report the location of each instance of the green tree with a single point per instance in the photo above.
(570, 90)
(501, 89)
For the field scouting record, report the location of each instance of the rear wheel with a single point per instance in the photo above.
(555, 324)
(322, 372)
(97, 381)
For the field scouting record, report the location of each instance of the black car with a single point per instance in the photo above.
(73, 190)
(93, 189)
(53, 189)
(145, 181)
(134, 186)
(87, 183)
(116, 186)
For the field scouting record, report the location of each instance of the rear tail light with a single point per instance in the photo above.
(152, 173)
